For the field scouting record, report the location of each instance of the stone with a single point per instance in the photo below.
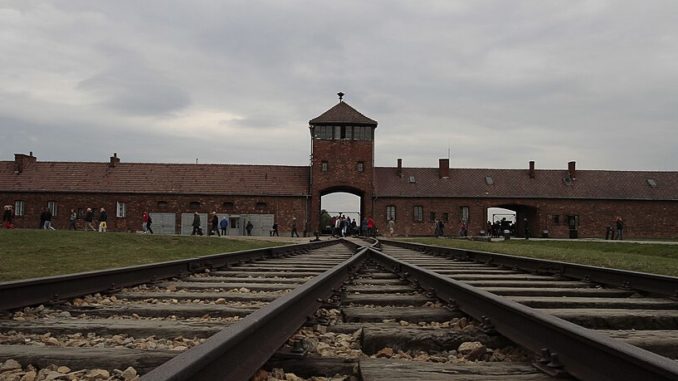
(97, 374)
(220, 301)
(385, 353)
(10, 365)
(469, 346)
(31, 375)
(63, 369)
(129, 374)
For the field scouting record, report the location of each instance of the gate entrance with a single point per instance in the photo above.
(335, 205)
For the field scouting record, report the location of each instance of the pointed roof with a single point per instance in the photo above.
(342, 113)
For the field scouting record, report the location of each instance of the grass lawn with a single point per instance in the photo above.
(38, 253)
(644, 257)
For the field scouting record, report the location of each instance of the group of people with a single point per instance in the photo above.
(101, 220)
(343, 226)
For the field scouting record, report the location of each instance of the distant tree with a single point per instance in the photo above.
(324, 218)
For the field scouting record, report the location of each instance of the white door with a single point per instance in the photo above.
(163, 223)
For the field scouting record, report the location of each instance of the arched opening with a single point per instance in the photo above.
(338, 203)
(520, 220)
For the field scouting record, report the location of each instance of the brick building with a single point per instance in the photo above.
(565, 203)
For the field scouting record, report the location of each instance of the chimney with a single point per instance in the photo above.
(571, 169)
(443, 168)
(114, 160)
(399, 172)
(21, 161)
(531, 169)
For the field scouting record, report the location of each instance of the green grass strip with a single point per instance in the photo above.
(643, 257)
(35, 253)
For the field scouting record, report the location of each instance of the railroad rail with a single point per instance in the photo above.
(441, 309)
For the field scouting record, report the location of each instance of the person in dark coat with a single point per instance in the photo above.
(215, 225)
(8, 217)
(196, 224)
(249, 227)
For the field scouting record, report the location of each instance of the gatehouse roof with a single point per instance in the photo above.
(343, 114)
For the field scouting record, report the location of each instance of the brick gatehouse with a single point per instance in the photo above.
(565, 203)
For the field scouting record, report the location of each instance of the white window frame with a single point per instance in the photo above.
(418, 213)
(120, 209)
(19, 207)
(53, 207)
(390, 212)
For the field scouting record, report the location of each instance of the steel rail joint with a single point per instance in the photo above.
(238, 351)
(584, 353)
(29, 292)
(650, 283)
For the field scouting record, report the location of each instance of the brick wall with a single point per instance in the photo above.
(283, 208)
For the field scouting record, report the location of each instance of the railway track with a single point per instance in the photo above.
(400, 312)
(127, 331)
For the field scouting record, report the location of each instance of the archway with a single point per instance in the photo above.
(522, 220)
(338, 202)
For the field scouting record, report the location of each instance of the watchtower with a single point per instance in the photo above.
(342, 157)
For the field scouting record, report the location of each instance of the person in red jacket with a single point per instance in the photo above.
(370, 227)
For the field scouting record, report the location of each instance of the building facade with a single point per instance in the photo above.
(559, 203)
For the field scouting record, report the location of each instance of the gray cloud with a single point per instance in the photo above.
(499, 82)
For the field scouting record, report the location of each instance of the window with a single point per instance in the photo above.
(228, 205)
(324, 166)
(337, 132)
(418, 213)
(432, 216)
(556, 219)
(52, 206)
(464, 212)
(19, 207)
(120, 210)
(390, 212)
(362, 133)
(324, 132)
(261, 205)
(162, 204)
(194, 205)
(360, 166)
(446, 217)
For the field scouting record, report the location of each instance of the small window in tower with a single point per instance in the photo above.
(349, 132)
(360, 166)
(324, 166)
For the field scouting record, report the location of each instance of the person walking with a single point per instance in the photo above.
(249, 228)
(8, 217)
(89, 218)
(48, 220)
(214, 229)
(72, 218)
(294, 227)
(144, 223)
(196, 224)
(224, 226)
(149, 222)
(370, 227)
(391, 227)
(274, 231)
(619, 224)
(103, 220)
